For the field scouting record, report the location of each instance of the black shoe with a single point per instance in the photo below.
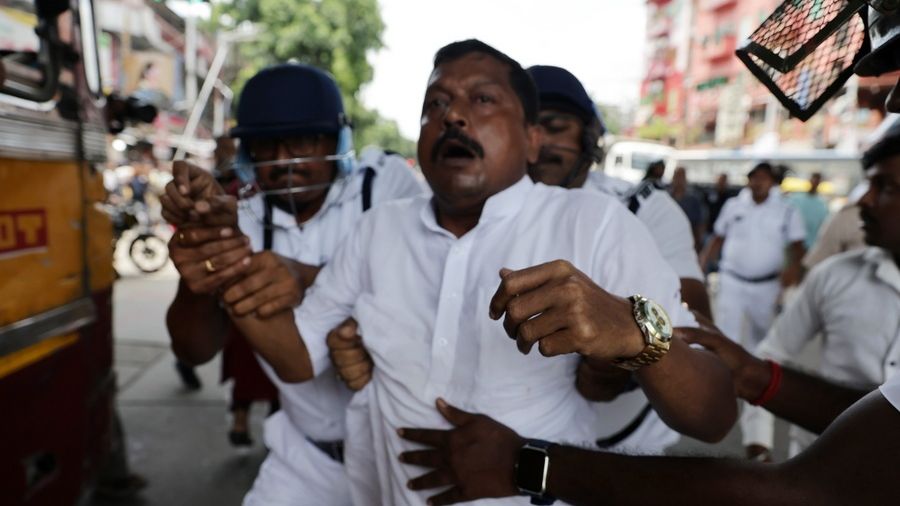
(188, 376)
(239, 439)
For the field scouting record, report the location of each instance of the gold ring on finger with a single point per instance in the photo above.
(209, 265)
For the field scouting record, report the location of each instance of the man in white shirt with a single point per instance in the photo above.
(851, 300)
(854, 462)
(756, 228)
(419, 274)
(572, 130)
(310, 193)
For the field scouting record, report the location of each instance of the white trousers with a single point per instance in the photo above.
(296, 472)
(745, 311)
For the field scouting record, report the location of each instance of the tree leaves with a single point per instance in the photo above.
(334, 35)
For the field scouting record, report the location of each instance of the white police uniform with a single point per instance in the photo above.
(305, 436)
(628, 424)
(753, 256)
(664, 218)
(852, 302)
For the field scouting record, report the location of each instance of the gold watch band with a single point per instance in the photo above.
(650, 355)
(656, 345)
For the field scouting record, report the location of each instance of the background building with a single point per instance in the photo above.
(696, 94)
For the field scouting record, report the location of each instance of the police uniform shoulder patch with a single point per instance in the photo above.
(641, 192)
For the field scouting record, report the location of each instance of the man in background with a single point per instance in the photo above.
(812, 209)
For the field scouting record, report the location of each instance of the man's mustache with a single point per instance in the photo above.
(550, 153)
(455, 134)
(548, 156)
(284, 170)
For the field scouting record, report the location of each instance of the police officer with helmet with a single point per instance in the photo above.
(249, 261)
(573, 132)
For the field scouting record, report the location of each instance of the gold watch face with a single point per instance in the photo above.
(657, 317)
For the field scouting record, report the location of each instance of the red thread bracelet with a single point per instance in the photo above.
(772, 387)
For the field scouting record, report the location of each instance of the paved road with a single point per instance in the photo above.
(177, 438)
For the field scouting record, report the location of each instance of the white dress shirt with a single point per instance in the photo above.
(421, 297)
(852, 302)
(756, 234)
(317, 407)
(663, 217)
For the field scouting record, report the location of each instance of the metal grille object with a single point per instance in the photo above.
(806, 50)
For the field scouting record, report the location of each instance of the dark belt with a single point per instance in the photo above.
(761, 279)
(334, 449)
(629, 429)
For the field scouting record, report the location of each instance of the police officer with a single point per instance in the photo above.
(756, 228)
(572, 131)
(304, 192)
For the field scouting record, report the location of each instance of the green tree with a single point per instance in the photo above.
(612, 118)
(334, 35)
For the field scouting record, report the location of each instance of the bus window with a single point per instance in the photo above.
(30, 67)
(641, 161)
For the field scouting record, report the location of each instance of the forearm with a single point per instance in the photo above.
(711, 251)
(795, 254)
(580, 476)
(601, 381)
(196, 325)
(692, 392)
(279, 342)
(693, 292)
(802, 399)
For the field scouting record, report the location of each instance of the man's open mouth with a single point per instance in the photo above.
(453, 149)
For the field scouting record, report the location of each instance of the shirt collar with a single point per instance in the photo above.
(885, 267)
(507, 202)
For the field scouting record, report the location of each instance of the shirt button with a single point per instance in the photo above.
(442, 342)
(893, 364)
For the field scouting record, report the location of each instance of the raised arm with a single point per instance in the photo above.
(563, 311)
(261, 305)
(206, 259)
(802, 399)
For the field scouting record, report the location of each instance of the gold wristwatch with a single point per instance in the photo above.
(656, 327)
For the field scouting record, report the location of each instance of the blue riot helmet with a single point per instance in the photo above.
(559, 89)
(288, 100)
